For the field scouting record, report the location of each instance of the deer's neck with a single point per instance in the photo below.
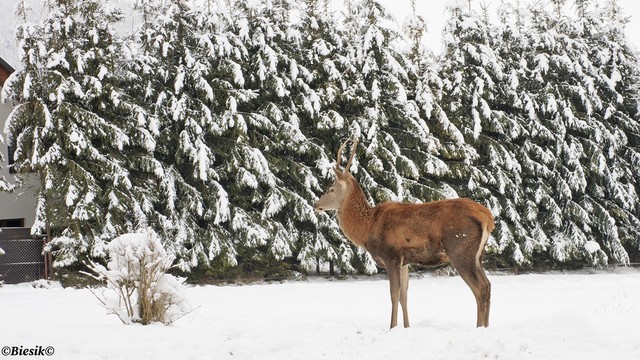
(355, 216)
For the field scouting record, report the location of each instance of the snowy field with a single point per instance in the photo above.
(551, 316)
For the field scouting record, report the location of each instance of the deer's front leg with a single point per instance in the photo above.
(394, 270)
(404, 288)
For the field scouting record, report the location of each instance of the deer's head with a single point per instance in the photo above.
(333, 198)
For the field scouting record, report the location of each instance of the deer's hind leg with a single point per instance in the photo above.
(464, 258)
(483, 311)
(481, 288)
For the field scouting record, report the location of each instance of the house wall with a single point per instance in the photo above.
(20, 204)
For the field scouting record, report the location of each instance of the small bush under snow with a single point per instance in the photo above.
(45, 284)
(137, 274)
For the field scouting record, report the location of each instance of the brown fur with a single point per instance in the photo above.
(451, 231)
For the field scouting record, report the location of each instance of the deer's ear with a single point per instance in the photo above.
(344, 178)
(341, 177)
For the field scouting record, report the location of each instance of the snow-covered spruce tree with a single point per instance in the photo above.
(624, 59)
(73, 125)
(612, 168)
(275, 162)
(555, 82)
(541, 211)
(425, 89)
(567, 108)
(559, 98)
(315, 92)
(398, 146)
(479, 92)
(226, 78)
(187, 71)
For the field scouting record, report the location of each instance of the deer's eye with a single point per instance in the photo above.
(332, 190)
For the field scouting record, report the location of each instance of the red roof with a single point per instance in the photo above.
(5, 71)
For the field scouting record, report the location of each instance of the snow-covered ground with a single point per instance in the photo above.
(571, 316)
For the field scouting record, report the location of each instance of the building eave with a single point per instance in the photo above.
(5, 71)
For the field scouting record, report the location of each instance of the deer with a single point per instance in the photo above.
(446, 232)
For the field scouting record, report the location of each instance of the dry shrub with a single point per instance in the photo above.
(137, 274)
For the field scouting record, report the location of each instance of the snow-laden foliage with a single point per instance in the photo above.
(74, 124)
(217, 123)
(183, 70)
(536, 96)
(477, 94)
(139, 289)
(387, 111)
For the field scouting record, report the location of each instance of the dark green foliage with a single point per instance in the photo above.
(538, 99)
(74, 124)
(218, 126)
